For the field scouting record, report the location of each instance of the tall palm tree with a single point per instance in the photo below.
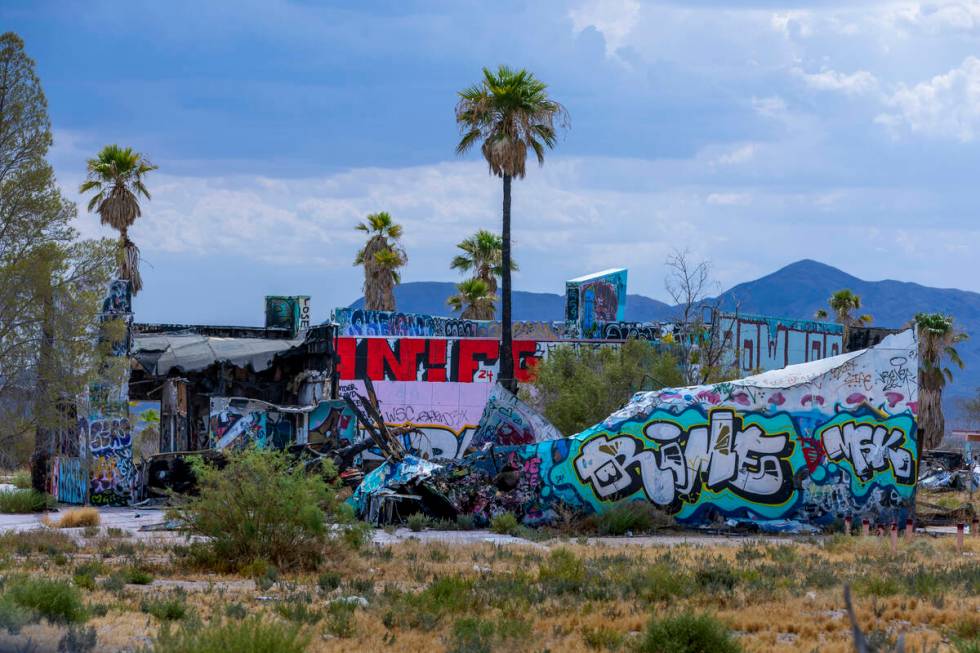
(937, 336)
(475, 299)
(508, 112)
(381, 256)
(482, 253)
(116, 175)
(843, 303)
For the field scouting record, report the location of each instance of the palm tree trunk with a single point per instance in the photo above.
(931, 421)
(506, 337)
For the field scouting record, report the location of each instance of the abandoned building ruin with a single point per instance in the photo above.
(729, 450)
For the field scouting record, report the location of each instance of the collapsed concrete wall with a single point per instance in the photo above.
(807, 444)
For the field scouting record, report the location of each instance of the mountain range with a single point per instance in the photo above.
(795, 291)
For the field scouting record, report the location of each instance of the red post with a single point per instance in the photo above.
(865, 527)
(909, 529)
(960, 527)
(847, 525)
(975, 527)
(894, 537)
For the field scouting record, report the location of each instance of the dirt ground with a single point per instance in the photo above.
(411, 591)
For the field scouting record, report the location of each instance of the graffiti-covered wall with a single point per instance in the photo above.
(445, 414)
(758, 342)
(104, 425)
(361, 322)
(596, 298)
(810, 444)
(238, 422)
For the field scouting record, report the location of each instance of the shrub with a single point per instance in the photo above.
(78, 640)
(24, 501)
(465, 522)
(137, 576)
(84, 581)
(328, 581)
(505, 523)
(79, 517)
(340, 619)
(251, 635)
(13, 617)
(57, 601)
(115, 582)
(716, 576)
(296, 609)
(562, 573)
(21, 479)
(166, 608)
(257, 507)
(43, 541)
(966, 645)
(629, 517)
(474, 635)
(444, 594)
(687, 633)
(471, 635)
(416, 522)
(877, 585)
(236, 611)
(662, 582)
(578, 387)
(602, 638)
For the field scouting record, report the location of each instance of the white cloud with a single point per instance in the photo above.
(614, 19)
(855, 83)
(570, 217)
(791, 23)
(741, 154)
(729, 199)
(936, 17)
(946, 106)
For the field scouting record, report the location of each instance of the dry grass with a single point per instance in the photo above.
(75, 518)
(774, 597)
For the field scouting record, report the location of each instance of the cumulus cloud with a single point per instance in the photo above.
(946, 106)
(614, 19)
(855, 83)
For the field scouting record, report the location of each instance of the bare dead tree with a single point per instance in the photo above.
(700, 334)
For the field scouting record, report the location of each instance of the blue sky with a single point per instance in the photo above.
(752, 133)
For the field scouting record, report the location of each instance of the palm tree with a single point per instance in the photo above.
(843, 303)
(482, 253)
(381, 257)
(936, 339)
(116, 174)
(476, 297)
(508, 112)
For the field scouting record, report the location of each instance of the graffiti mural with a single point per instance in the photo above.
(806, 445)
(507, 420)
(68, 480)
(237, 422)
(440, 360)
(445, 415)
(360, 322)
(769, 343)
(332, 420)
(596, 298)
(111, 463)
(289, 313)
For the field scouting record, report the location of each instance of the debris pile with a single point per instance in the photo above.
(948, 471)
